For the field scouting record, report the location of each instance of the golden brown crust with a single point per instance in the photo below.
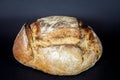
(61, 47)
(51, 58)
(21, 49)
(91, 46)
(63, 32)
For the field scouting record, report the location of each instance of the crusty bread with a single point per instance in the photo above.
(57, 45)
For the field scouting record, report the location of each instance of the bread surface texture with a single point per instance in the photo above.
(58, 45)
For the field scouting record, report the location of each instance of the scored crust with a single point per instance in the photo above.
(57, 45)
(22, 49)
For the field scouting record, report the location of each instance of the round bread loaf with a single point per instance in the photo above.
(58, 45)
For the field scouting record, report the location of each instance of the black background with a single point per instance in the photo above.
(102, 15)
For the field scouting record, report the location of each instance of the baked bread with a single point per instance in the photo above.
(58, 45)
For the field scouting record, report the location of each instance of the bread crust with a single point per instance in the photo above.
(61, 51)
(22, 50)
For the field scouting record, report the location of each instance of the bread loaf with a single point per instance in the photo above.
(58, 45)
